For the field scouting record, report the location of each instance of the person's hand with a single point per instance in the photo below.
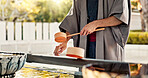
(89, 28)
(59, 49)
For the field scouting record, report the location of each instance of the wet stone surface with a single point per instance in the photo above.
(42, 72)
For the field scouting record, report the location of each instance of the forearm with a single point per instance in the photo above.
(110, 21)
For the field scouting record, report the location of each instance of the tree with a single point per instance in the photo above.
(3, 5)
(52, 11)
(12, 10)
(34, 10)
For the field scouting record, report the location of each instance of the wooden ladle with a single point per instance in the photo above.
(61, 37)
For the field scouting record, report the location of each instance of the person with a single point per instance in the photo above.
(86, 16)
(144, 4)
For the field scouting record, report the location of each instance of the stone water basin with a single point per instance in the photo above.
(10, 62)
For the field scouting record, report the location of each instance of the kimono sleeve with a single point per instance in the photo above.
(120, 9)
(71, 21)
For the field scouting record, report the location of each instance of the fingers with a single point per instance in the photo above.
(89, 32)
(85, 32)
(82, 31)
(61, 50)
(57, 50)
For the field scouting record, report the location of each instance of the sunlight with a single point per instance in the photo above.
(57, 1)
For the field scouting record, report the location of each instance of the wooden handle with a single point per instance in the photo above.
(79, 33)
(96, 68)
(73, 34)
(100, 29)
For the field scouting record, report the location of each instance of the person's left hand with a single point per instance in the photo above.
(89, 28)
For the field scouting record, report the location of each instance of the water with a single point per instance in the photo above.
(43, 71)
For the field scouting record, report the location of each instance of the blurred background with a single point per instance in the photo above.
(29, 26)
(34, 10)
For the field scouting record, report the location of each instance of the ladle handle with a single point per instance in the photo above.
(100, 29)
(79, 33)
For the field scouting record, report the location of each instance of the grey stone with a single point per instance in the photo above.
(11, 64)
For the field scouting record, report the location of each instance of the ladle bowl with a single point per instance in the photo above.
(60, 37)
(75, 52)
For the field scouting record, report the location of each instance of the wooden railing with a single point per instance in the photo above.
(28, 36)
(17, 31)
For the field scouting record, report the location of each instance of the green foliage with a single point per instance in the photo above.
(134, 67)
(136, 30)
(50, 11)
(134, 3)
(36, 10)
(138, 38)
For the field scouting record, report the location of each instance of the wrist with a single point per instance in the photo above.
(96, 24)
(65, 42)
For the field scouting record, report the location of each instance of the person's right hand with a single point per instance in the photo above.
(59, 49)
